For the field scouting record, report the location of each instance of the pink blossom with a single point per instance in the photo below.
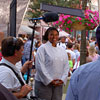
(87, 17)
(86, 23)
(65, 17)
(54, 23)
(95, 24)
(71, 30)
(91, 20)
(63, 21)
(57, 22)
(68, 15)
(79, 18)
(61, 25)
(89, 24)
(95, 18)
(60, 18)
(89, 10)
(87, 13)
(95, 12)
(62, 15)
(75, 18)
(69, 21)
(67, 28)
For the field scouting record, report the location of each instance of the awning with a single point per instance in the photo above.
(27, 30)
(63, 33)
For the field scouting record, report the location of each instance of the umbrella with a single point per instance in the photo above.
(28, 30)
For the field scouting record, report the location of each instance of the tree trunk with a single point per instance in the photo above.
(83, 39)
(83, 48)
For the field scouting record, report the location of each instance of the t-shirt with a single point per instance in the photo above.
(70, 64)
(94, 58)
(73, 56)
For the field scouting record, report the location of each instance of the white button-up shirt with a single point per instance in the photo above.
(51, 63)
(8, 78)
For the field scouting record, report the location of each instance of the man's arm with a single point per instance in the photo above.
(23, 92)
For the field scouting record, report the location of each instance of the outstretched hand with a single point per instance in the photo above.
(27, 64)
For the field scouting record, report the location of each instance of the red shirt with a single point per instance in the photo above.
(0, 56)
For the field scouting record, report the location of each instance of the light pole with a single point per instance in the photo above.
(13, 10)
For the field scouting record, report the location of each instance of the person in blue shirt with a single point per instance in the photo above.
(85, 81)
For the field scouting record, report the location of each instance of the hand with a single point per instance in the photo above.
(27, 64)
(25, 90)
(60, 82)
(57, 82)
(53, 82)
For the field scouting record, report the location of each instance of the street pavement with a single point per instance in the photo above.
(63, 97)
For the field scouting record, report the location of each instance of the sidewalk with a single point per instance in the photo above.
(64, 95)
(65, 89)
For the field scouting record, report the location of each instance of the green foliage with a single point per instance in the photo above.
(34, 7)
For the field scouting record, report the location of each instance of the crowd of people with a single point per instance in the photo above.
(53, 61)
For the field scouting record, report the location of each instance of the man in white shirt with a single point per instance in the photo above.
(12, 51)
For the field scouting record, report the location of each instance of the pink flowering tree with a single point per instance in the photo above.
(68, 22)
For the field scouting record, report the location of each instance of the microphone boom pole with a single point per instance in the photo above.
(30, 57)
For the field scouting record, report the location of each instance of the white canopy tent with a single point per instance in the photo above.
(63, 33)
(27, 30)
